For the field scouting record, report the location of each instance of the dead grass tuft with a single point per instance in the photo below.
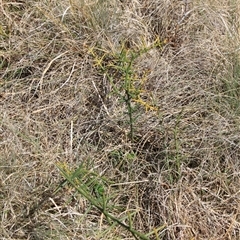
(178, 178)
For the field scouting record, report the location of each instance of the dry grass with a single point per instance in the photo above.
(179, 176)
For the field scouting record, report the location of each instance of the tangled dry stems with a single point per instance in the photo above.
(182, 172)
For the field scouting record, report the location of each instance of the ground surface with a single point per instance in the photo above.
(141, 97)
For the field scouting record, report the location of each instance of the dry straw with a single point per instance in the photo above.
(136, 103)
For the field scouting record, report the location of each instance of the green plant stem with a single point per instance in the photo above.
(130, 113)
(94, 202)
